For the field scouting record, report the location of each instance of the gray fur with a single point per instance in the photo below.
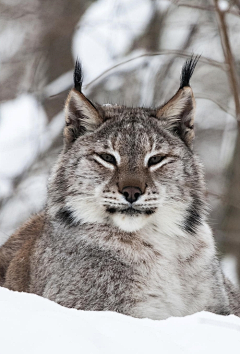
(153, 259)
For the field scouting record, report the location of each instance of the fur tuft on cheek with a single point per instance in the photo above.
(86, 211)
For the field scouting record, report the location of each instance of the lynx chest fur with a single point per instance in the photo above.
(136, 276)
(124, 228)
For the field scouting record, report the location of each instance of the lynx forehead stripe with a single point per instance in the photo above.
(125, 224)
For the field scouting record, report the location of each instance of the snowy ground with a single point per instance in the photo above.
(33, 325)
(30, 324)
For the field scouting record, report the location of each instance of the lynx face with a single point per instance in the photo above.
(129, 167)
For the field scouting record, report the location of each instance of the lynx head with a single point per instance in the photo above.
(129, 167)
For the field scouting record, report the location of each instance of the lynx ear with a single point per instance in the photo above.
(81, 115)
(178, 113)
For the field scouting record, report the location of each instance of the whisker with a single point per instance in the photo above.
(80, 198)
(147, 204)
(116, 204)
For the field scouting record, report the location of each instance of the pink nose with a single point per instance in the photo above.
(131, 194)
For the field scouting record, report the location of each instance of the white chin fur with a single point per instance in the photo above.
(130, 223)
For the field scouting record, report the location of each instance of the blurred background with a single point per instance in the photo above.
(132, 52)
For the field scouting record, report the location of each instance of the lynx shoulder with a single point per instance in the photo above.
(125, 224)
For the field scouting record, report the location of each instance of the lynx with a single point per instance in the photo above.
(125, 224)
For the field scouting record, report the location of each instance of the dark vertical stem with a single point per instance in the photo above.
(222, 26)
(231, 221)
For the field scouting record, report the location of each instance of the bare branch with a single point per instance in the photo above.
(228, 58)
(205, 8)
(224, 198)
(227, 110)
(179, 53)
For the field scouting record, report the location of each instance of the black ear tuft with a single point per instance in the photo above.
(78, 76)
(188, 70)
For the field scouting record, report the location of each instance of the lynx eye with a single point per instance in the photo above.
(155, 159)
(108, 158)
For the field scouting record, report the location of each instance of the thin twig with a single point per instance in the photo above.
(179, 53)
(223, 198)
(205, 8)
(227, 110)
(228, 58)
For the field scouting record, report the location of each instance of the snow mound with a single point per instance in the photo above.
(31, 324)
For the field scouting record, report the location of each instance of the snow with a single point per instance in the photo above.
(31, 324)
(106, 32)
(23, 121)
(24, 134)
(229, 267)
(62, 83)
(223, 5)
(11, 39)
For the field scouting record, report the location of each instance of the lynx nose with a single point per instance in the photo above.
(131, 194)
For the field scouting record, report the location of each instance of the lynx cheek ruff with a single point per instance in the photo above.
(125, 224)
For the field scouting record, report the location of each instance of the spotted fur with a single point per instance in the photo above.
(154, 257)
